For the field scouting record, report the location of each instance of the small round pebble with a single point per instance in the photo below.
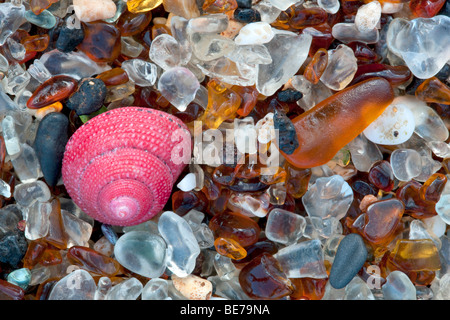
(350, 257)
(255, 33)
(247, 15)
(395, 126)
(69, 39)
(50, 143)
(88, 98)
(193, 287)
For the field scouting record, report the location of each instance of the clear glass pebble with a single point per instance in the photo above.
(37, 220)
(398, 287)
(357, 289)
(348, 32)
(166, 52)
(156, 289)
(78, 231)
(142, 73)
(364, 153)
(182, 246)
(103, 286)
(142, 252)
(11, 17)
(288, 51)
(328, 197)
(179, 86)
(302, 260)
(129, 289)
(330, 6)
(224, 267)
(423, 43)
(284, 227)
(341, 68)
(27, 193)
(26, 164)
(406, 164)
(77, 285)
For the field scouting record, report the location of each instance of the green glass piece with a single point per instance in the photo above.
(87, 117)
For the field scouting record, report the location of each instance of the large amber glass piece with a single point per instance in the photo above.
(415, 255)
(329, 126)
(93, 261)
(54, 89)
(263, 279)
(101, 41)
(235, 226)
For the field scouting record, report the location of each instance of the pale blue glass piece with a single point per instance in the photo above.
(44, 20)
(20, 277)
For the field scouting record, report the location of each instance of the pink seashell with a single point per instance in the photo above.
(120, 166)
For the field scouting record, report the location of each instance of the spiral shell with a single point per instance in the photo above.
(120, 166)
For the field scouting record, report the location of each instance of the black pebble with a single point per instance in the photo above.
(13, 246)
(244, 4)
(247, 15)
(287, 136)
(69, 39)
(350, 257)
(88, 98)
(289, 95)
(50, 142)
